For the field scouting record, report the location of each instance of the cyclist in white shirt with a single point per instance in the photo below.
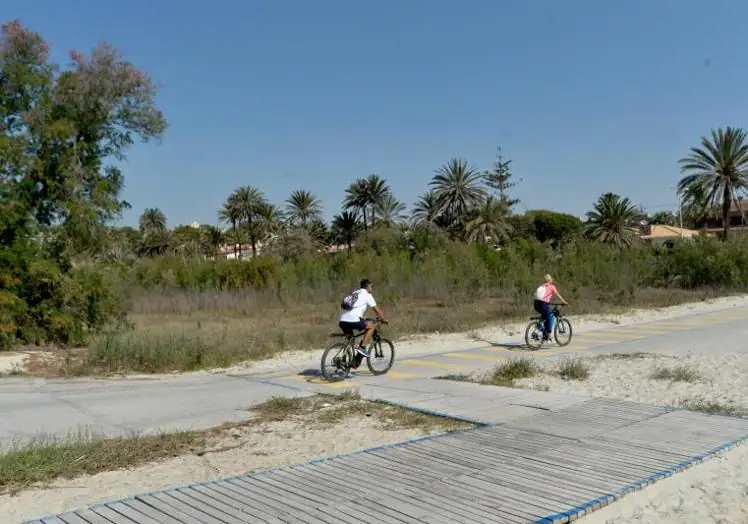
(353, 319)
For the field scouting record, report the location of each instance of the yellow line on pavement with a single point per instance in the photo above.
(473, 356)
(401, 375)
(603, 341)
(431, 364)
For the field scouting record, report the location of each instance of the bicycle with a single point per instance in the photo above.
(344, 353)
(562, 327)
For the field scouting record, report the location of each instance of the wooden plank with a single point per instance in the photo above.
(103, 515)
(213, 491)
(155, 501)
(260, 503)
(227, 515)
(71, 518)
(132, 514)
(150, 511)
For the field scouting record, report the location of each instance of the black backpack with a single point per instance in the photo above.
(350, 300)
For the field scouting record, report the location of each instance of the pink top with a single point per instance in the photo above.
(550, 289)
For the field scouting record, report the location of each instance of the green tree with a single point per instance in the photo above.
(551, 226)
(390, 211)
(364, 195)
(487, 222)
(458, 189)
(345, 228)
(152, 221)
(664, 218)
(613, 220)
(716, 173)
(302, 207)
(60, 132)
(245, 203)
(500, 179)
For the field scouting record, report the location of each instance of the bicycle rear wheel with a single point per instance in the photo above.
(336, 362)
(562, 332)
(534, 335)
(381, 356)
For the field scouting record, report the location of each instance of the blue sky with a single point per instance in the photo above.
(584, 96)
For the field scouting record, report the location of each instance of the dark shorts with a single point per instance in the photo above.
(350, 327)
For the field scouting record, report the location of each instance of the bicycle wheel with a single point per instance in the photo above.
(562, 332)
(339, 363)
(534, 335)
(382, 352)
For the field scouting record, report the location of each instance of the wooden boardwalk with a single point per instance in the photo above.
(547, 465)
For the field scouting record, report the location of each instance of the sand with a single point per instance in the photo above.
(271, 445)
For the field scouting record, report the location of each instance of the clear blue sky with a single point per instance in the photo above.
(585, 96)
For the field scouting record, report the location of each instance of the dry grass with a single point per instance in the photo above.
(573, 369)
(680, 373)
(185, 331)
(45, 460)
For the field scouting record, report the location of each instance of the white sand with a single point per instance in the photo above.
(270, 445)
(509, 333)
(715, 491)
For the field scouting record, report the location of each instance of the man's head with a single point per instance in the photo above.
(366, 284)
(548, 279)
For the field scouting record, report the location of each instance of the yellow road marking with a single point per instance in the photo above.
(603, 341)
(572, 347)
(473, 356)
(400, 375)
(432, 364)
(518, 352)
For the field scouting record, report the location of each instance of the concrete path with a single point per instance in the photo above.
(29, 407)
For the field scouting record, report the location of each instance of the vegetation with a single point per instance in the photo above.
(160, 298)
(680, 373)
(44, 461)
(573, 369)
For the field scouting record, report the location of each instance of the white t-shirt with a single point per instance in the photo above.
(364, 301)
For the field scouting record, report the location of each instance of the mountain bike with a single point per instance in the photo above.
(341, 354)
(561, 331)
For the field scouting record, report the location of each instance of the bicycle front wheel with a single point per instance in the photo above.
(335, 362)
(381, 357)
(562, 332)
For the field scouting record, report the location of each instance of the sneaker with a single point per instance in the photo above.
(362, 351)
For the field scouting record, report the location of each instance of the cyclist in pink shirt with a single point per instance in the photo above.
(543, 295)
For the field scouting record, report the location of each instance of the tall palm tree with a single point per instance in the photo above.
(390, 210)
(356, 199)
(488, 221)
(302, 207)
(376, 191)
(248, 201)
(716, 173)
(613, 220)
(458, 188)
(152, 221)
(346, 227)
(229, 214)
(364, 195)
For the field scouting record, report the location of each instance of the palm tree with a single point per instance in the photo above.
(488, 220)
(356, 199)
(302, 207)
(248, 201)
(390, 210)
(613, 221)
(152, 221)
(346, 227)
(376, 191)
(426, 209)
(270, 221)
(364, 195)
(229, 214)
(211, 239)
(716, 173)
(458, 189)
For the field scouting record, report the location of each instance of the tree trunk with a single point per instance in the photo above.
(366, 225)
(726, 201)
(252, 238)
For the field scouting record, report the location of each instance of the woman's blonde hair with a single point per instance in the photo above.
(548, 278)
